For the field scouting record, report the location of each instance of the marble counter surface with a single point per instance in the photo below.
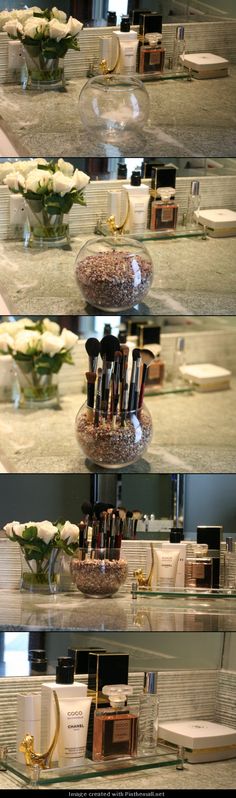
(212, 775)
(191, 276)
(20, 611)
(190, 118)
(191, 432)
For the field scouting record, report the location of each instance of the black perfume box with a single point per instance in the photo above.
(80, 657)
(212, 535)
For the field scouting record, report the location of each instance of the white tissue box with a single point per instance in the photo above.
(207, 741)
(206, 65)
(219, 222)
(206, 376)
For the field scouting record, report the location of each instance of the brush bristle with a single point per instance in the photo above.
(108, 346)
(87, 508)
(136, 354)
(90, 376)
(92, 347)
(147, 356)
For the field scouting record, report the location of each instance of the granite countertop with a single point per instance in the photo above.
(20, 611)
(190, 118)
(212, 775)
(192, 432)
(191, 276)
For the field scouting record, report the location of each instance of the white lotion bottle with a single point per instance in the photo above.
(138, 202)
(28, 720)
(125, 48)
(74, 720)
(63, 686)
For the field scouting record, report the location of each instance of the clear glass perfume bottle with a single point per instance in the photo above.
(178, 361)
(115, 728)
(148, 716)
(178, 50)
(230, 564)
(194, 201)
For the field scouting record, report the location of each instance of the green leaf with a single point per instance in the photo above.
(30, 533)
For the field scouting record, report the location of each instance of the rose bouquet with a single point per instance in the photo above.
(50, 188)
(41, 544)
(39, 350)
(46, 37)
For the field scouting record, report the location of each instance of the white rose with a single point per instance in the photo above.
(74, 26)
(80, 179)
(51, 326)
(8, 529)
(70, 532)
(38, 178)
(65, 167)
(46, 531)
(13, 27)
(26, 340)
(57, 30)
(18, 529)
(5, 342)
(4, 17)
(35, 25)
(14, 181)
(68, 338)
(61, 184)
(24, 167)
(59, 14)
(51, 344)
(5, 168)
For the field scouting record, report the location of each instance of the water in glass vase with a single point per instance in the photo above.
(43, 229)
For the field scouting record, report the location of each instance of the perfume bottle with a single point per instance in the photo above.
(115, 728)
(178, 361)
(164, 209)
(148, 716)
(230, 564)
(151, 57)
(193, 208)
(179, 50)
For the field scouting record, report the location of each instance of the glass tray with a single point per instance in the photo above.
(185, 592)
(166, 756)
(168, 74)
(155, 235)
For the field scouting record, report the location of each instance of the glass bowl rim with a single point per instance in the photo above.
(119, 82)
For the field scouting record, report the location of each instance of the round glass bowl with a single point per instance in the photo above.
(114, 445)
(114, 106)
(114, 274)
(98, 573)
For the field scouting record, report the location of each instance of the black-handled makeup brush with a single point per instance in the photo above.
(146, 357)
(123, 373)
(98, 399)
(92, 347)
(135, 356)
(108, 347)
(91, 379)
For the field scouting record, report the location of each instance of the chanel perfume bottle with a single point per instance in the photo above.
(179, 50)
(164, 209)
(115, 728)
(198, 567)
(151, 58)
(148, 716)
(103, 668)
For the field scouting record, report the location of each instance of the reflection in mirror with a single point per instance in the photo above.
(156, 497)
(122, 168)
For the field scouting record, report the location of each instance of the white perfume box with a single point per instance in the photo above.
(181, 547)
(219, 222)
(207, 376)
(48, 710)
(206, 65)
(207, 741)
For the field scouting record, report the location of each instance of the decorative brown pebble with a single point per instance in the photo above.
(114, 280)
(98, 577)
(111, 447)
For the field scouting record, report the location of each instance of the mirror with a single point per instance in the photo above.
(108, 168)
(160, 495)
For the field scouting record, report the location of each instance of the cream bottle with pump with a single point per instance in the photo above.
(138, 202)
(74, 720)
(64, 686)
(125, 48)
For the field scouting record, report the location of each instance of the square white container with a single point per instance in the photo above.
(207, 741)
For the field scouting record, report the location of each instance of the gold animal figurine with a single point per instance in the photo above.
(27, 745)
(145, 581)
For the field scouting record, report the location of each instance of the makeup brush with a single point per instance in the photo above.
(98, 398)
(91, 379)
(115, 387)
(123, 371)
(92, 347)
(146, 358)
(137, 381)
(136, 357)
(108, 346)
(129, 516)
(87, 510)
(136, 517)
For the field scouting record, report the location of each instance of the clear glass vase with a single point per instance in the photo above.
(42, 73)
(39, 576)
(44, 230)
(98, 573)
(114, 106)
(114, 443)
(114, 274)
(36, 390)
